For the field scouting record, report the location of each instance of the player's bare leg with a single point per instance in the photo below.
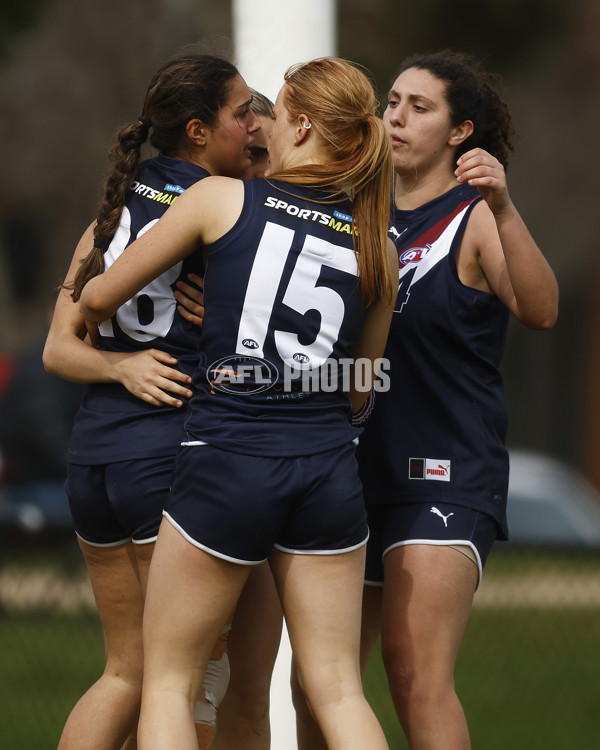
(426, 604)
(307, 730)
(253, 646)
(321, 597)
(191, 597)
(308, 734)
(108, 712)
(371, 623)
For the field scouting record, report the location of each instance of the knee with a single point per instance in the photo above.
(414, 691)
(399, 673)
(254, 712)
(298, 696)
(408, 687)
(127, 673)
(124, 686)
(248, 700)
(319, 687)
(125, 659)
(254, 708)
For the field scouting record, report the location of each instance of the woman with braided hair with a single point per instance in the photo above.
(299, 286)
(197, 116)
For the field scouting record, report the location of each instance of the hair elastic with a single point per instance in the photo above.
(146, 122)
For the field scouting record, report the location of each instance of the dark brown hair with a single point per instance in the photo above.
(472, 94)
(186, 87)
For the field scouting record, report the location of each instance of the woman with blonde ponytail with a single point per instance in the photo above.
(298, 292)
(197, 117)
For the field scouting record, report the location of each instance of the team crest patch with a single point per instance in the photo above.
(413, 255)
(433, 469)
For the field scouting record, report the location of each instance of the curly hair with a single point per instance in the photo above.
(472, 94)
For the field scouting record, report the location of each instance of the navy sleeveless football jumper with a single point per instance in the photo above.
(282, 312)
(112, 424)
(438, 433)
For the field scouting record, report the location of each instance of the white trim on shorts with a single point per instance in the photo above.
(322, 552)
(210, 551)
(374, 584)
(435, 543)
(149, 540)
(104, 544)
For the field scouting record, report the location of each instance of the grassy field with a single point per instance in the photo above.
(527, 672)
(47, 661)
(527, 680)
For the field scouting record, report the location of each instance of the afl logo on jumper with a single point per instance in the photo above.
(413, 255)
(433, 469)
(241, 375)
(250, 344)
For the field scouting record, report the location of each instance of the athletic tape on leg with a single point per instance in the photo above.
(215, 683)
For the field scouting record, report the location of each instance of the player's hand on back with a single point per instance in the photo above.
(152, 376)
(190, 298)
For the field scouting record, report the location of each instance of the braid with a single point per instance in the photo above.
(125, 154)
(186, 87)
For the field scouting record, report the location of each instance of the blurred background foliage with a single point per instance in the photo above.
(71, 72)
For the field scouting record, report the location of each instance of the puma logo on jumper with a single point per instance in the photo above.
(432, 469)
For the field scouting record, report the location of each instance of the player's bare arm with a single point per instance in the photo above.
(184, 228)
(150, 375)
(512, 265)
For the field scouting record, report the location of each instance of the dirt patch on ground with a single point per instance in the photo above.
(576, 590)
(24, 590)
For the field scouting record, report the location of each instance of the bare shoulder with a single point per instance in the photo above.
(213, 188)
(392, 254)
(480, 240)
(481, 234)
(481, 221)
(216, 202)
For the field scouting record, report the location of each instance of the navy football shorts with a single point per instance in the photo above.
(392, 526)
(240, 507)
(119, 502)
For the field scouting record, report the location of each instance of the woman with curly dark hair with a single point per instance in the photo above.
(432, 456)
